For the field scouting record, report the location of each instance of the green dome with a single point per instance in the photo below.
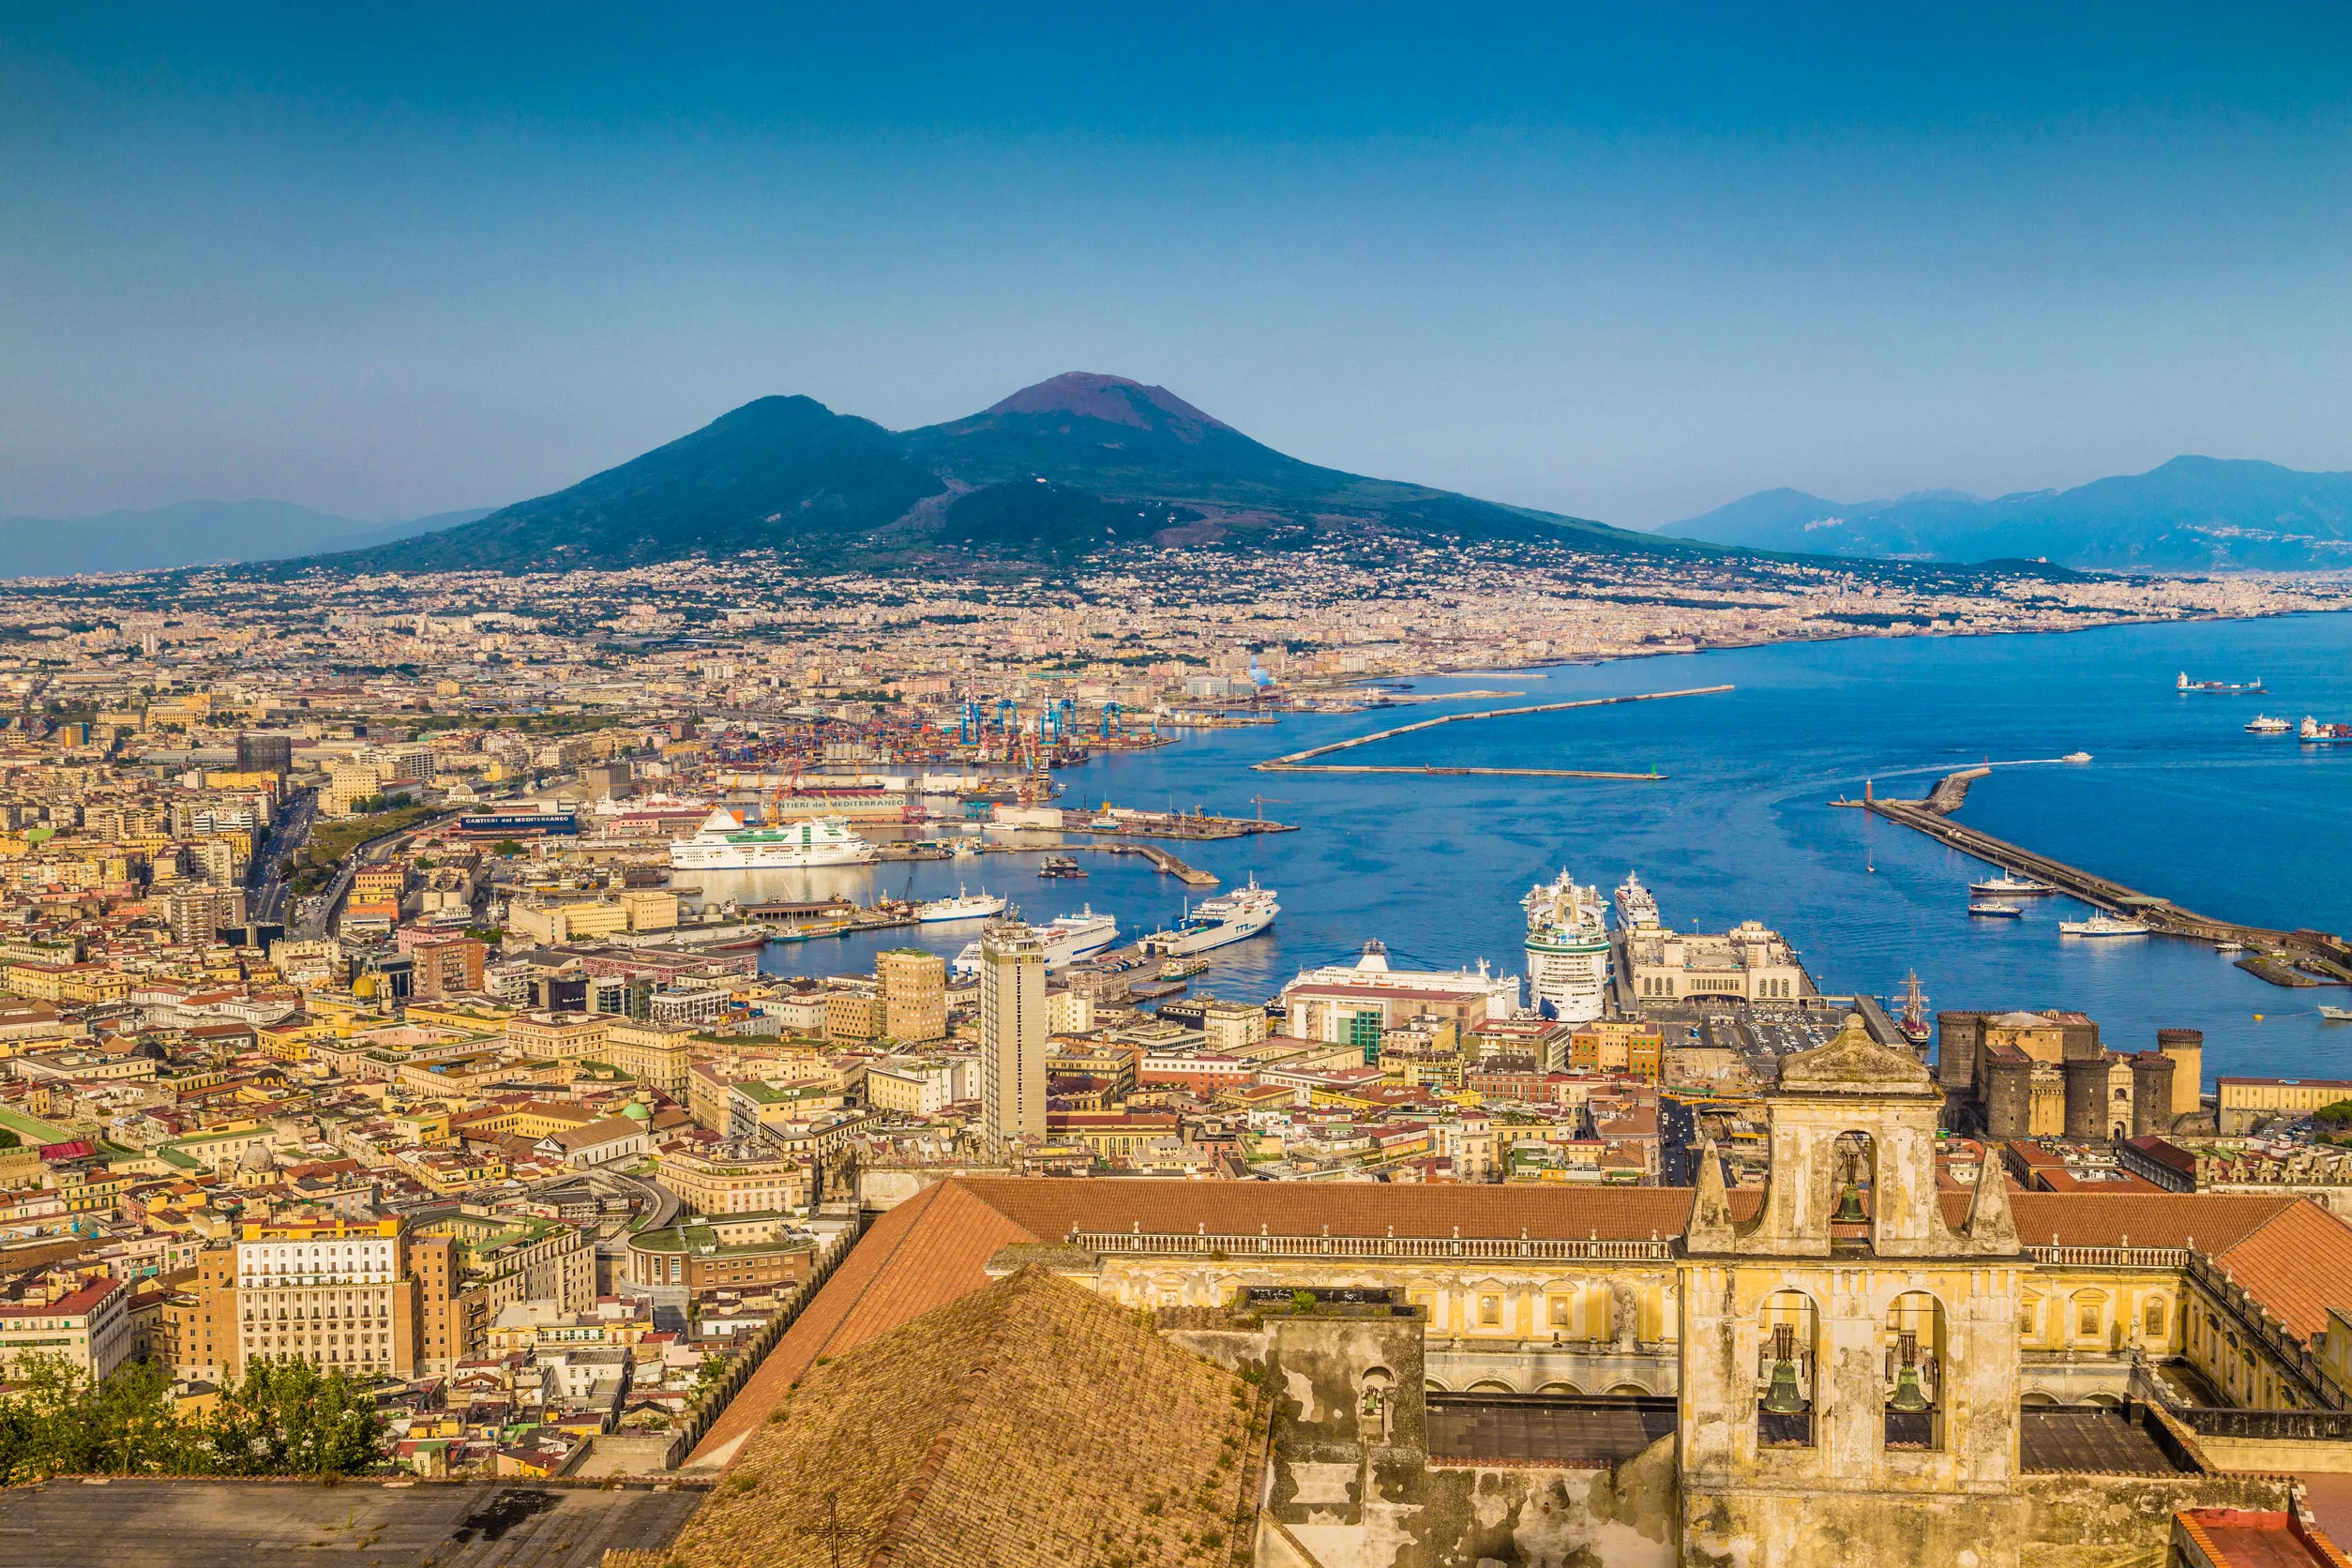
(637, 1111)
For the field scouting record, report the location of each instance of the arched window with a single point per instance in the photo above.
(1788, 1341)
(1914, 1349)
(2152, 1318)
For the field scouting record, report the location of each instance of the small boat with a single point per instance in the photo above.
(2336, 1015)
(2007, 887)
(2102, 926)
(804, 933)
(1997, 912)
(2075, 757)
(1184, 969)
(2225, 945)
(1060, 865)
(2263, 724)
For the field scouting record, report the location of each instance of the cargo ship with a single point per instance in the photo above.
(723, 844)
(1567, 949)
(1066, 939)
(2324, 734)
(1230, 917)
(2185, 684)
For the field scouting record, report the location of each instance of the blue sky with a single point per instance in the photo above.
(1628, 262)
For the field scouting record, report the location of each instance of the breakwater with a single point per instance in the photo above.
(1303, 762)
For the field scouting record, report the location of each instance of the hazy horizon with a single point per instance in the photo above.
(1627, 267)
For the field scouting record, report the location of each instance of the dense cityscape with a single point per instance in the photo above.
(368, 1015)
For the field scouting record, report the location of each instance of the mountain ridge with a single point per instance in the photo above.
(1077, 463)
(2188, 514)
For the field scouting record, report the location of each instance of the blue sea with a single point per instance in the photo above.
(2179, 800)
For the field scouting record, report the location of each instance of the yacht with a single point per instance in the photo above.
(723, 844)
(1567, 949)
(2102, 926)
(2263, 724)
(1636, 906)
(963, 906)
(1998, 911)
(2336, 1015)
(1230, 917)
(1066, 939)
(2007, 886)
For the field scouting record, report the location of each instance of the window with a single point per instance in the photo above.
(2153, 1320)
(2090, 1312)
(1560, 1312)
(1489, 1312)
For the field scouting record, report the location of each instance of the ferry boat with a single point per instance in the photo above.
(1230, 917)
(1636, 906)
(1567, 949)
(2007, 886)
(2102, 926)
(1066, 939)
(2324, 734)
(2263, 724)
(963, 906)
(1998, 911)
(723, 844)
(2186, 685)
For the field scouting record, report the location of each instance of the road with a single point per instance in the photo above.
(266, 893)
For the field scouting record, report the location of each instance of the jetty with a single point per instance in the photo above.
(1163, 861)
(2299, 958)
(1303, 762)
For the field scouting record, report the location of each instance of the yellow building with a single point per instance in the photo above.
(914, 994)
(2246, 1103)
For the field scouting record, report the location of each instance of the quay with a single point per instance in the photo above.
(1191, 876)
(2301, 958)
(1302, 762)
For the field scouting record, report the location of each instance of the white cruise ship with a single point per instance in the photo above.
(1230, 917)
(723, 844)
(963, 906)
(1567, 949)
(1066, 938)
(2102, 926)
(1635, 906)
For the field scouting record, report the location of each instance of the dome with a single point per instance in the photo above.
(636, 1110)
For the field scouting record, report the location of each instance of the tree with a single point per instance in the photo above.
(288, 1418)
(507, 846)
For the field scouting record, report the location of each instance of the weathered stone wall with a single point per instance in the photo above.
(2081, 1520)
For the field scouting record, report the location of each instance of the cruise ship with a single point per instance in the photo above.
(963, 906)
(2263, 724)
(1230, 917)
(723, 844)
(2009, 886)
(1567, 949)
(1066, 938)
(2102, 926)
(1635, 906)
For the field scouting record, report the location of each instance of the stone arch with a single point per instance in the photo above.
(2104, 1401)
(1915, 1346)
(1634, 1389)
(2038, 1398)
(1491, 1385)
(1559, 1388)
(1788, 1330)
(1431, 1385)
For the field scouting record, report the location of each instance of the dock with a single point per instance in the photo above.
(1303, 762)
(2298, 958)
(1191, 876)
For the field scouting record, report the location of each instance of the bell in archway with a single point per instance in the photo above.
(1783, 1397)
(1849, 1207)
(1907, 1394)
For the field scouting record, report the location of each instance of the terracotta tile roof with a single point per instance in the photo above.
(2214, 1221)
(1028, 1423)
(2297, 1264)
(910, 1260)
(1050, 1209)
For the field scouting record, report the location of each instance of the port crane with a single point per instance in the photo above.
(1261, 802)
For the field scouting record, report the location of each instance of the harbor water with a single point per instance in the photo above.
(2179, 800)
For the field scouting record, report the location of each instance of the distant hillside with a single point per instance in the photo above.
(191, 533)
(1051, 474)
(2193, 514)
